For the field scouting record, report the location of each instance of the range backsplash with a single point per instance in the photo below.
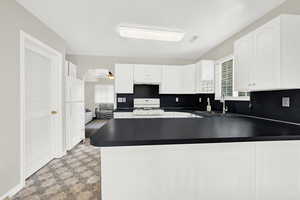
(265, 104)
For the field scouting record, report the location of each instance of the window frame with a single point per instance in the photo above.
(235, 96)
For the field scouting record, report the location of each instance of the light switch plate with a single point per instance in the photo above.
(286, 102)
(124, 100)
(200, 100)
(177, 99)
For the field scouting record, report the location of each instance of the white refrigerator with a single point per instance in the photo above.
(75, 112)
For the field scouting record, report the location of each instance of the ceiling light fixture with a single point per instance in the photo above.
(110, 76)
(150, 33)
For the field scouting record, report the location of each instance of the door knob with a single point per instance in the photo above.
(53, 112)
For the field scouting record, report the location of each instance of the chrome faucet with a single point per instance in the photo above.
(225, 109)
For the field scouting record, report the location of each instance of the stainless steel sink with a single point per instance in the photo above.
(213, 114)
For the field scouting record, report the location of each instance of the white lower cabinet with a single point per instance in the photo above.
(278, 170)
(177, 172)
(226, 171)
(229, 171)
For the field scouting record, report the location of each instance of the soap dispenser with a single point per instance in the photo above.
(208, 107)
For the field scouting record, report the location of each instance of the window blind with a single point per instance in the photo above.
(227, 78)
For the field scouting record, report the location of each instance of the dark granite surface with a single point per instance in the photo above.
(213, 128)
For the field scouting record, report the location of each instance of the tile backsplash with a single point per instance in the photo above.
(267, 104)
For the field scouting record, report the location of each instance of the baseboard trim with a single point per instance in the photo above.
(12, 192)
(60, 154)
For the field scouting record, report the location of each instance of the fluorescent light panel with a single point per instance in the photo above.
(149, 33)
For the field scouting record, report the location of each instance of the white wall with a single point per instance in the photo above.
(13, 19)
(226, 48)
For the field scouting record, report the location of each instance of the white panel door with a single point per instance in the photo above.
(39, 103)
(243, 63)
(278, 170)
(267, 57)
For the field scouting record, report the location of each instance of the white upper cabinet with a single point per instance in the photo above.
(147, 74)
(267, 58)
(244, 62)
(205, 72)
(124, 78)
(171, 79)
(178, 79)
(188, 79)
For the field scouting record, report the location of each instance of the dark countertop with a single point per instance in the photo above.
(212, 129)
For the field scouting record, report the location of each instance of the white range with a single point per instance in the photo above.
(150, 108)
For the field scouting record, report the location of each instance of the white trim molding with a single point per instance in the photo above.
(235, 96)
(12, 192)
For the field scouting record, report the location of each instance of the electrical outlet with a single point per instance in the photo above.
(120, 100)
(200, 100)
(177, 99)
(286, 102)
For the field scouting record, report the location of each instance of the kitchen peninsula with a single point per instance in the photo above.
(219, 157)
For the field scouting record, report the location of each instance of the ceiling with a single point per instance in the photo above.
(89, 26)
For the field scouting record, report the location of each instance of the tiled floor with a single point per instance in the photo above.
(76, 176)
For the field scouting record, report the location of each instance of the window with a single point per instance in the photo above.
(225, 81)
(104, 94)
(227, 78)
